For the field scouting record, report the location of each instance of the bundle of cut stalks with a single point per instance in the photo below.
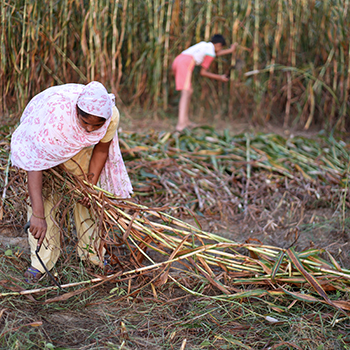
(220, 261)
(164, 248)
(150, 232)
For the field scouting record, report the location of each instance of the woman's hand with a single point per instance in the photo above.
(85, 202)
(38, 228)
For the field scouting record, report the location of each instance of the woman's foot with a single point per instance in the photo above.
(32, 275)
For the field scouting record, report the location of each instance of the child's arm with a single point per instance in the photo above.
(232, 49)
(204, 73)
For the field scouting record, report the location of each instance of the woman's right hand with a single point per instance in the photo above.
(85, 202)
(38, 228)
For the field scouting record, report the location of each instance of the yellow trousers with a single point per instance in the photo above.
(88, 242)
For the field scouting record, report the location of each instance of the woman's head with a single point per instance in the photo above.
(89, 122)
(95, 101)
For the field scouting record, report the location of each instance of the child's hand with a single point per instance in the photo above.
(234, 47)
(224, 78)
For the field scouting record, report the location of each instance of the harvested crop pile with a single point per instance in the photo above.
(254, 178)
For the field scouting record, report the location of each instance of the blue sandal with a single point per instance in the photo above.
(32, 275)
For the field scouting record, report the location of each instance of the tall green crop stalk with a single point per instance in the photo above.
(91, 71)
(344, 109)
(233, 75)
(199, 26)
(21, 86)
(346, 191)
(26, 72)
(158, 20)
(64, 21)
(2, 60)
(105, 31)
(256, 36)
(258, 93)
(275, 47)
(293, 31)
(346, 70)
(166, 56)
(218, 29)
(208, 20)
(162, 38)
(247, 33)
(120, 44)
(188, 17)
(114, 44)
(291, 62)
(23, 34)
(276, 43)
(51, 19)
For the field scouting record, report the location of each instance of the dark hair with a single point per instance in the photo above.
(81, 112)
(84, 114)
(218, 39)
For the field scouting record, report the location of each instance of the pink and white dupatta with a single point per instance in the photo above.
(49, 134)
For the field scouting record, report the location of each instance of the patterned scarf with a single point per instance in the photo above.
(49, 133)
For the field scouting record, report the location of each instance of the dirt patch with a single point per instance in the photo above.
(141, 121)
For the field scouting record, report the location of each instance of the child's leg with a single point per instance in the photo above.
(88, 243)
(50, 248)
(184, 104)
(183, 67)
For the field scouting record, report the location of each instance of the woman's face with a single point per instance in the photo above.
(90, 122)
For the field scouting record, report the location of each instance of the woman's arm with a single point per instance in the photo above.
(38, 224)
(98, 160)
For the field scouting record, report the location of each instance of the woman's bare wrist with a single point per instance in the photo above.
(38, 217)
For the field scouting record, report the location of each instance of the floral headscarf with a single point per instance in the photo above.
(49, 132)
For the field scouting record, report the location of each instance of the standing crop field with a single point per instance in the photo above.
(236, 236)
(298, 51)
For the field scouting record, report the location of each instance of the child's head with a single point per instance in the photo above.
(218, 41)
